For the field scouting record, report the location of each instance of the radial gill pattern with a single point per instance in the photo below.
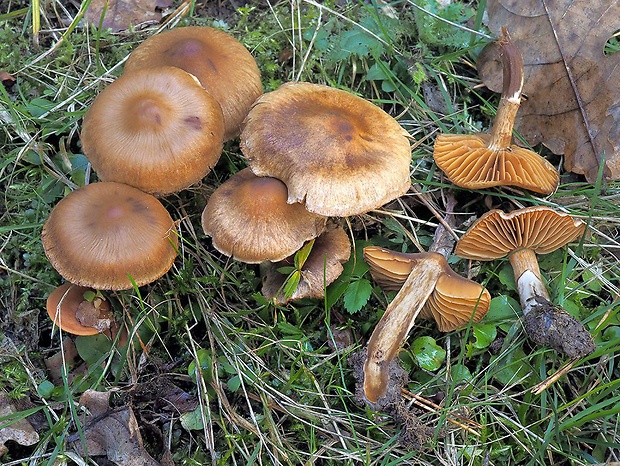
(497, 233)
(469, 163)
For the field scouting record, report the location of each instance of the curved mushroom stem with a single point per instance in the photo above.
(399, 317)
(527, 275)
(512, 68)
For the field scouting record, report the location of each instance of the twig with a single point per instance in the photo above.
(434, 408)
(542, 386)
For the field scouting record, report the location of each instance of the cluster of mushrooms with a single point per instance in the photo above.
(426, 286)
(314, 154)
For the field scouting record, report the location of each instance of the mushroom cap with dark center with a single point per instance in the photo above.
(249, 219)
(496, 234)
(337, 152)
(155, 129)
(109, 236)
(222, 64)
(324, 264)
(65, 303)
(468, 162)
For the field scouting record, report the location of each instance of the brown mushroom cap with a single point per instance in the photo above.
(249, 219)
(155, 129)
(468, 162)
(104, 235)
(454, 302)
(223, 65)
(496, 234)
(65, 304)
(324, 264)
(337, 152)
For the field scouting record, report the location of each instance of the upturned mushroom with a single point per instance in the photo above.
(520, 235)
(155, 129)
(336, 152)
(323, 265)
(222, 64)
(430, 289)
(249, 219)
(110, 236)
(481, 160)
(69, 309)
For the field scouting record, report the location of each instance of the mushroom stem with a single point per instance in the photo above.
(527, 275)
(399, 318)
(512, 68)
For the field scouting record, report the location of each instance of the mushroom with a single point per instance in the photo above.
(110, 236)
(481, 160)
(337, 152)
(520, 235)
(249, 219)
(324, 264)
(430, 289)
(155, 129)
(69, 309)
(222, 64)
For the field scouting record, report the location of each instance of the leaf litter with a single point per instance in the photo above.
(573, 100)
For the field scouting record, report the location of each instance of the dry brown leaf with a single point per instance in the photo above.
(7, 79)
(112, 432)
(121, 14)
(19, 431)
(573, 97)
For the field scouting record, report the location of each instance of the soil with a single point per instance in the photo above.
(550, 325)
(414, 434)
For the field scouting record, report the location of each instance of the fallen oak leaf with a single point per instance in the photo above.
(111, 432)
(573, 104)
(119, 15)
(12, 427)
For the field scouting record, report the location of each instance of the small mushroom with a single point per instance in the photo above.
(72, 312)
(324, 264)
(222, 64)
(520, 235)
(481, 160)
(430, 289)
(110, 236)
(155, 129)
(336, 152)
(249, 219)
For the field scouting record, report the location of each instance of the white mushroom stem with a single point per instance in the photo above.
(527, 275)
(512, 69)
(392, 329)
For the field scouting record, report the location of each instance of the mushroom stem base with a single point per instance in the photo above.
(530, 288)
(550, 325)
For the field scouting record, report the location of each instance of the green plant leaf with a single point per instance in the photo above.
(507, 277)
(291, 284)
(430, 356)
(301, 256)
(193, 420)
(507, 368)
(93, 349)
(234, 383)
(357, 294)
(503, 311)
(484, 334)
(45, 389)
(459, 373)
